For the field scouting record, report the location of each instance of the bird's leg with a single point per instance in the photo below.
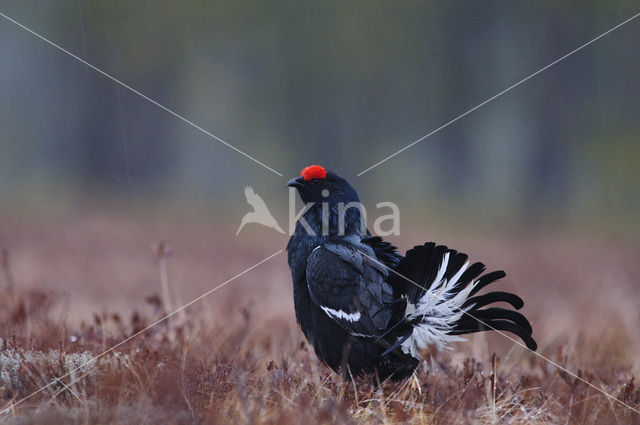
(344, 363)
(376, 378)
(355, 387)
(427, 355)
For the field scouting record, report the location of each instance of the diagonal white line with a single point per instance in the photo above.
(68, 388)
(510, 338)
(114, 79)
(93, 359)
(501, 93)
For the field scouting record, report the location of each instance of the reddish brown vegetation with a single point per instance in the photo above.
(238, 356)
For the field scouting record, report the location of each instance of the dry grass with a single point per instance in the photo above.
(72, 287)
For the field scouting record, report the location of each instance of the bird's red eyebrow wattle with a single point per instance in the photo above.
(313, 172)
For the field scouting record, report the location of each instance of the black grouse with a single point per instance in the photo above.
(365, 308)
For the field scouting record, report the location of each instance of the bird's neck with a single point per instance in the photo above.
(330, 221)
(311, 235)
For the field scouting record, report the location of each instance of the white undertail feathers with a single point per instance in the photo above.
(438, 311)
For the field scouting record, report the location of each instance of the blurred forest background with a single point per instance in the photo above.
(343, 84)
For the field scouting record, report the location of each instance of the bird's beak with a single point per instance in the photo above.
(299, 182)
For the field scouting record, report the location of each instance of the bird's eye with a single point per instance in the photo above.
(315, 182)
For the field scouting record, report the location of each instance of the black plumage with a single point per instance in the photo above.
(365, 308)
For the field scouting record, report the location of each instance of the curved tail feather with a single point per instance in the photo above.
(494, 297)
(498, 325)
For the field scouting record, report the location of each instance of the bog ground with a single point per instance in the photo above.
(73, 285)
